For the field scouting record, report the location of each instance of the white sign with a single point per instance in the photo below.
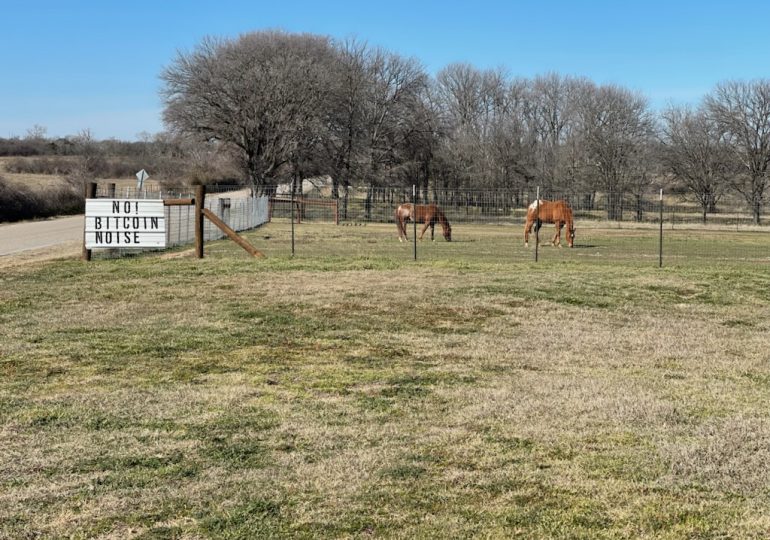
(141, 176)
(125, 223)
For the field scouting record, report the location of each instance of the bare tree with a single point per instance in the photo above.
(258, 94)
(742, 112)
(458, 93)
(90, 161)
(36, 133)
(488, 133)
(345, 142)
(459, 88)
(512, 141)
(395, 86)
(554, 101)
(615, 126)
(644, 171)
(693, 151)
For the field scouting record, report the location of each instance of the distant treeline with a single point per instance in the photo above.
(81, 159)
(168, 159)
(65, 146)
(62, 166)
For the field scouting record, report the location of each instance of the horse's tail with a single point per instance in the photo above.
(569, 221)
(399, 221)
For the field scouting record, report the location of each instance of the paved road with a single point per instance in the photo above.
(37, 235)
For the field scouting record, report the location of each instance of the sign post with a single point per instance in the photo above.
(141, 176)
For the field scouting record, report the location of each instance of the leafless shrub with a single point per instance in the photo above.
(19, 202)
(48, 165)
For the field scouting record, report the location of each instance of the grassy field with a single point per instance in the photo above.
(352, 392)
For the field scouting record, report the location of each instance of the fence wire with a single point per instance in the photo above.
(486, 225)
(625, 227)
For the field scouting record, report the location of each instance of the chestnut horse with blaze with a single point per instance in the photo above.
(556, 212)
(428, 214)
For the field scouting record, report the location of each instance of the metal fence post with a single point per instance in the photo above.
(660, 238)
(414, 219)
(291, 203)
(537, 221)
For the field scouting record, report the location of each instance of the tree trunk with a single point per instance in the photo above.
(757, 212)
(368, 203)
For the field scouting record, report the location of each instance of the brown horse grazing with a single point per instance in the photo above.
(428, 214)
(557, 212)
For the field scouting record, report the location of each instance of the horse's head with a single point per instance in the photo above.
(571, 236)
(448, 232)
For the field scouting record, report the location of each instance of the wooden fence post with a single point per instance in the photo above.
(90, 193)
(200, 196)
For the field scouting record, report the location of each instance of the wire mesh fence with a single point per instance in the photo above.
(649, 228)
(642, 228)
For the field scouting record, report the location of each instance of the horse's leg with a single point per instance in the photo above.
(432, 230)
(557, 237)
(424, 228)
(527, 228)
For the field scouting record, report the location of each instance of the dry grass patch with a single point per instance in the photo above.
(370, 396)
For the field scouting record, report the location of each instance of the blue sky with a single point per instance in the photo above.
(70, 66)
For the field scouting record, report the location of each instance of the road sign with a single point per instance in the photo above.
(125, 223)
(141, 176)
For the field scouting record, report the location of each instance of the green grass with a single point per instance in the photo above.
(353, 392)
